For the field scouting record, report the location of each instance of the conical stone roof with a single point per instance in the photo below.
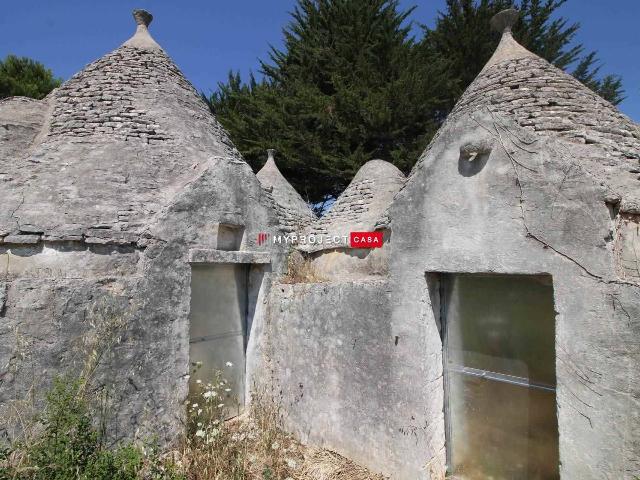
(116, 142)
(362, 205)
(546, 100)
(293, 212)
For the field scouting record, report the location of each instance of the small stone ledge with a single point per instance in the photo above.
(224, 256)
(90, 237)
(22, 239)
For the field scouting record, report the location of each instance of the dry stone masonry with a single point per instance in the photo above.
(101, 100)
(293, 212)
(544, 99)
(121, 183)
(362, 204)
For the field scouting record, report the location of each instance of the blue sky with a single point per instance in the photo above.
(208, 38)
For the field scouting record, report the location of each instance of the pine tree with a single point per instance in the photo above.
(21, 76)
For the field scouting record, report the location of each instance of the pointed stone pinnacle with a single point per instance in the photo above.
(142, 17)
(503, 22)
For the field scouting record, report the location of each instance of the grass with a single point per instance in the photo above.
(66, 441)
(65, 438)
(300, 269)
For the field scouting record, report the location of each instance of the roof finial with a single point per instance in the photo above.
(271, 154)
(503, 21)
(142, 17)
(142, 39)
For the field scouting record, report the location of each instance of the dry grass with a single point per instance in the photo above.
(327, 465)
(301, 269)
(256, 454)
(253, 446)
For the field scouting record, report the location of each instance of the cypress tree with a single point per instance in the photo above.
(348, 86)
(351, 83)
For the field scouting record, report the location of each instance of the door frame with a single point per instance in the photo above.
(443, 279)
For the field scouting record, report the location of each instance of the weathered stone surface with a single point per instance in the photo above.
(22, 239)
(529, 209)
(293, 212)
(334, 358)
(128, 173)
(361, 206)
(21, 120)
(627, 247)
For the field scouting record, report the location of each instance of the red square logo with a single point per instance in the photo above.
(365, 239)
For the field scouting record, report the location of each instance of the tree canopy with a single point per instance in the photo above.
(351, 83)
(22, 76)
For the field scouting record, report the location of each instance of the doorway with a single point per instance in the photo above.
(499, 376)
(218, 329)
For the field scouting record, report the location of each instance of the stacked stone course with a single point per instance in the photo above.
(353, 202)
(101, 99)
(543, 99)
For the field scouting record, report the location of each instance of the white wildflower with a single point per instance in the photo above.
(229, 364)
(200, 433)
(209, 394)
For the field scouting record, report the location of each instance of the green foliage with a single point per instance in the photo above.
(21, 76)
(71, 448)
(351, 84)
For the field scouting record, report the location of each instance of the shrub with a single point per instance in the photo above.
(69, 447)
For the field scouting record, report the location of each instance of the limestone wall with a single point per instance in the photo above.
(341, 377)
(51, 289)
(525, 207)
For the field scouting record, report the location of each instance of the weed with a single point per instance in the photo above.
(301, 269)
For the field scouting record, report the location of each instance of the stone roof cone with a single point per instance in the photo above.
(293, 212)
(546, 100)
(363, 205)
(111, 146)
